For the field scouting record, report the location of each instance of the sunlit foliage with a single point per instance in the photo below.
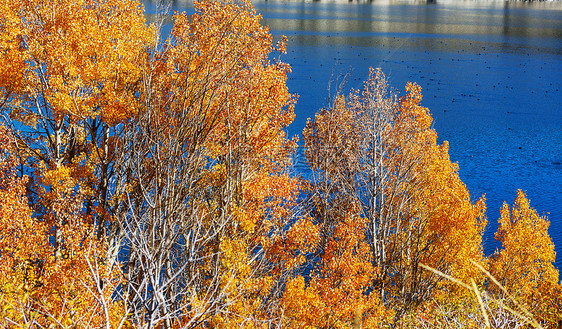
(525, 265)
(147, 183)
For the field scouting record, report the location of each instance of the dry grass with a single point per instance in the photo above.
(494, 312)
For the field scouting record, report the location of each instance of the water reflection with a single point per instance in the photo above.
(420, 17)
(407, 19)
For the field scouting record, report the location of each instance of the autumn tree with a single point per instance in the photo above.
(73, 76)
(21, 249)
(36, 287)
(376, 164)
(524, 267)
(521, 288)
(167, 157)
(200, 182)
(70, 77)
(440, 226)
(339, 263)
(145, 183)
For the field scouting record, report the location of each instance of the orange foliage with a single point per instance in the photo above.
(525, 264)
(175, 154)
(36, 288)
(385, 198)
(60, 55)
(70, 72)
(453, 225)
(79, 69)
(218, 67)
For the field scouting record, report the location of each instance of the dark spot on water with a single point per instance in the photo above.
(557, 163)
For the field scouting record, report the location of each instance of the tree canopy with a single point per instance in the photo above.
(147, 183)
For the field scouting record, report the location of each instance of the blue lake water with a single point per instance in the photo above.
(491, 73)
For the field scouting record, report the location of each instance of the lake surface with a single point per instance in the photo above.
(491, 74)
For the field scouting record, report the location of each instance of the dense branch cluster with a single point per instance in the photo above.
(146, 183)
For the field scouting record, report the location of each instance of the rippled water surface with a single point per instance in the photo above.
(490, 71)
